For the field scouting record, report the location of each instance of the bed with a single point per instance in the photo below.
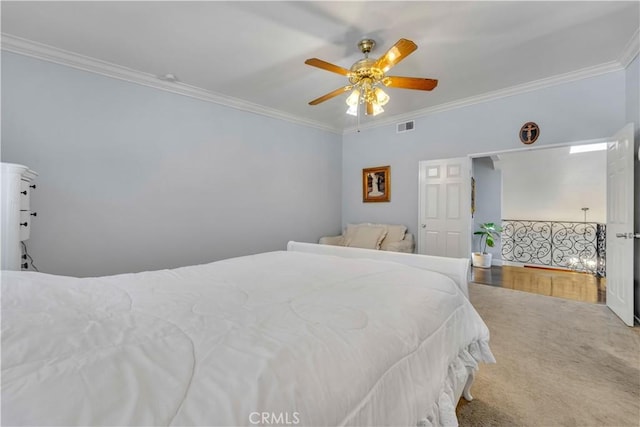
(314, 335)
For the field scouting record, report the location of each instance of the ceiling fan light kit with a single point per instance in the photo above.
(367, 77)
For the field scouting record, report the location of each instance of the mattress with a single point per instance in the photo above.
(285, 338)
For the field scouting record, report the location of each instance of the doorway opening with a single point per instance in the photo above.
(551, 203)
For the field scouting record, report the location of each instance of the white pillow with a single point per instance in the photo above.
(395, 233)
(366, 237)
(350, 231)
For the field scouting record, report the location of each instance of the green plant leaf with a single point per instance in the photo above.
(488, 232)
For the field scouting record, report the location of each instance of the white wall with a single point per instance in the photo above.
(580, 110)
(134, 178)
(553, 185)
(488, 201)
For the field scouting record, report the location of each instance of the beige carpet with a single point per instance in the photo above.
(559, 363)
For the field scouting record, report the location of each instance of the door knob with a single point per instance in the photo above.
(628, 235)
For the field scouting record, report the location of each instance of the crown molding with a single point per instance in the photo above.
(629, 53)
(45, 52)
(631, 50)
(584, 73)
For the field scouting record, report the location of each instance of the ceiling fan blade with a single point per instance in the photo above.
(397, 53)
(330, 95)
(315, 62)
(369, 108)
(417, 83)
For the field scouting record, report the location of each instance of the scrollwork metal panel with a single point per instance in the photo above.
(526, 242)
(602, 250)
(576, 245)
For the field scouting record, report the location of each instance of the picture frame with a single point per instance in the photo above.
(529, 133)
(376, 184)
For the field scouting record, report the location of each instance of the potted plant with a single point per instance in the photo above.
(488, 232)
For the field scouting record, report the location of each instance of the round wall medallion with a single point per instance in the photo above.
(529, 132)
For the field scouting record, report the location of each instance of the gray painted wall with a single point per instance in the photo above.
(160, 180)
(633, 115)
(134, 178)
(488, 202)
(580, 110)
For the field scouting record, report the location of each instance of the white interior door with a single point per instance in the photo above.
(445, 207)
(620, 158)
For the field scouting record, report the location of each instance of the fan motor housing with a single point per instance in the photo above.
(365, 69)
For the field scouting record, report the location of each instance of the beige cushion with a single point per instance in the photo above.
(350, 232)
(365, 236)
(332, 240)
(395, 233)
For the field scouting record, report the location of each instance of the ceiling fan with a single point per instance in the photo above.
(367, 77)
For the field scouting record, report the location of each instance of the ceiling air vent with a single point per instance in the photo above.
(404, 127)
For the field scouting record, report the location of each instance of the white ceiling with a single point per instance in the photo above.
(252, 54)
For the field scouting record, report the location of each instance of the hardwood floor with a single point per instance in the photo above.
(550, 282)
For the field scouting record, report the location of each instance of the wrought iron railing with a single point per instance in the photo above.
(580, 246)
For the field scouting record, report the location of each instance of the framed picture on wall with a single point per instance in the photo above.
(376, 184)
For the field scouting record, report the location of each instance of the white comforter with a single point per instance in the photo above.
(305, 339)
